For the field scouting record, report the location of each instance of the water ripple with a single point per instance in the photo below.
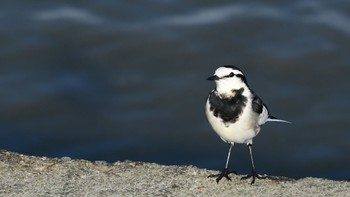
(69, 13)
(223, 13)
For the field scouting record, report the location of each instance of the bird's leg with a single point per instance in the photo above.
(253, 173)
(226, 171)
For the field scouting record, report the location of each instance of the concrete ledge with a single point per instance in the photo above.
(23, 175)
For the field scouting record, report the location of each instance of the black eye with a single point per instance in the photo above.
(231, 74)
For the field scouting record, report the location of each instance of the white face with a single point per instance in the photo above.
(227, 80)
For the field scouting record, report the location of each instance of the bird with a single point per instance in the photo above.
(236, 114)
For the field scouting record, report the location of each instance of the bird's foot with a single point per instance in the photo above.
(254, 175)
(223, 173)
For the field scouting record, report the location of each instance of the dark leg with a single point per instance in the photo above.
(253, 173)
(225, 172)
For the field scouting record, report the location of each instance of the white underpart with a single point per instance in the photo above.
(243, 130)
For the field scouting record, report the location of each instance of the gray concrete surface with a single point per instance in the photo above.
(23, 175)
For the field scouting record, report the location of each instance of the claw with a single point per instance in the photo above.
(254, 175)
(222, 174)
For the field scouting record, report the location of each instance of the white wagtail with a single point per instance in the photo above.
(236, 114)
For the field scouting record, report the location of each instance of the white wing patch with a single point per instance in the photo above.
(264, 116)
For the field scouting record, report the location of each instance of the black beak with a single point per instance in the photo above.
(213, 78)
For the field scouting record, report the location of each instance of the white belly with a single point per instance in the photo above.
(242, 131)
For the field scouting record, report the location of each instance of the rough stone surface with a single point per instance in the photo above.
(23, 175)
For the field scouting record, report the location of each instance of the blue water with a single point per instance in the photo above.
(113, 80)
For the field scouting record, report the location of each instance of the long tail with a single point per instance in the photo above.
(274, 119)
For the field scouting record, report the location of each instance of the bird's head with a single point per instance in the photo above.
(228, 79)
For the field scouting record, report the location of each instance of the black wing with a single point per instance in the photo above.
(257, 104)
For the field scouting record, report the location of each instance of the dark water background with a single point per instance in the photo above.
(117, 80)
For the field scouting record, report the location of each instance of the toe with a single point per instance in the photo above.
(222, 174)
